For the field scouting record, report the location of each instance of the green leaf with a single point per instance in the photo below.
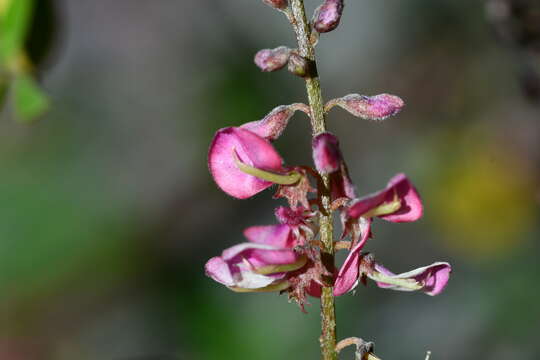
(14, 25)
(29, 101)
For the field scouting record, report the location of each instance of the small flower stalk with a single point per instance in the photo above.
(296, 254)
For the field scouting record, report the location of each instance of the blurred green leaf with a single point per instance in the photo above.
(30, 101)
(13, 28)
(3, 91)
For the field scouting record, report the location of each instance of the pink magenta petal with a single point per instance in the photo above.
(434, 277)
(326, 153)
(275, 235)
(252, 150)
(348, 273)
(251, 266)
(342, 185)
(272, 125)
(259, 255)
(218, 269)
(411, 206)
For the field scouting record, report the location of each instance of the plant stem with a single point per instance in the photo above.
(313, 87)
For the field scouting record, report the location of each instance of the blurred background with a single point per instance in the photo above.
(109, 213)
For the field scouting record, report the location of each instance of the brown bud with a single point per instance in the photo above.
(327, 16)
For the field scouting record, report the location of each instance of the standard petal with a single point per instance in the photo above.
(275, 235)
(431, 279)
(250, 149)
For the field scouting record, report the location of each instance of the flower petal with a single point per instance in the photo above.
(250, 149)
(275, 235)
(326, 153)
(411, 205)
(400, 188)
(218, 269)
(431, 279)
(254, 267)
(272, 125)
(347, 277)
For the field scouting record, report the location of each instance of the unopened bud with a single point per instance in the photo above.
(299, 65)
(326, 153)
(377, 107)
(277, 4)
(327, 16)
(272, 59)
(273, 124)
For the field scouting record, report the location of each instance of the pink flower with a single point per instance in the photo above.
(243, 163)
(259, 265)
(399, 202)
(431, 279)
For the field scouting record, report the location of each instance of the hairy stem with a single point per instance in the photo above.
(313, 86)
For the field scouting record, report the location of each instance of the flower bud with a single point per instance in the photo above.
(272, 125)
(326, 153)
(277, 4)
(327, 16)
(272, 59)
(377, 107)
(298, 65)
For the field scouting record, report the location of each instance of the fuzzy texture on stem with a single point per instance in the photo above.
(313, 87)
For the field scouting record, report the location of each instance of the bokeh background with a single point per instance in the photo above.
(108, 212)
